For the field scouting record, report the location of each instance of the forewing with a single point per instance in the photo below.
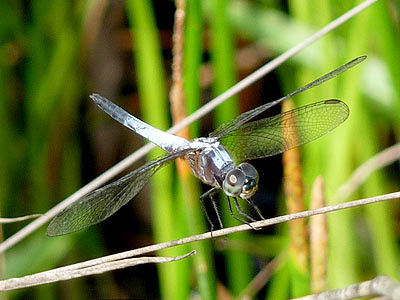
(290, 129)
(235, 123)
(103, 202)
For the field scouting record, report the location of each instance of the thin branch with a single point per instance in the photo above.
(239, 228)
(92, 266)
(18, 219)
(380, 285)
(380, 160)
(128, 161)
(55, 275)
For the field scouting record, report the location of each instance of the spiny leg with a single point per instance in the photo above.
(239, 210)
(243, 213)
(214, 203)
(252, 204)
(202, 198)
(234, 216)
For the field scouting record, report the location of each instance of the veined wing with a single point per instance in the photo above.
(103, 202)
(290, 129)
(248, 115)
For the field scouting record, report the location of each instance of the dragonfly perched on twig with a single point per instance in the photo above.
(217, 160)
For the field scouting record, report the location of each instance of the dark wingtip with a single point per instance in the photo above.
(357, 60)
(363, 57)
(342, 104)
(332, 101)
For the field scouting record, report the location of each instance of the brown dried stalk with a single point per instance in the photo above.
(318, 239)
(293, 185)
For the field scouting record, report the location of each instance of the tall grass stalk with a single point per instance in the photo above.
(50, 61)
(238, 264)
(153, 94)
(203, 262)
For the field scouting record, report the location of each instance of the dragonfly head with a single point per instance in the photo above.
(241, 182)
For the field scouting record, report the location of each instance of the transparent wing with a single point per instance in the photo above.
(290, 129)
(102, 203)
(248, 115)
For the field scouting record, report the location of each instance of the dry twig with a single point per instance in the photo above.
(380, 285)
(80, 271)
(18, 219)
(92, 266)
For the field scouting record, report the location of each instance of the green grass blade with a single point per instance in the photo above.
(203, 261)
(153, 94)
(238, 264)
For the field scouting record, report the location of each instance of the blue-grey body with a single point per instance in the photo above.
(207, 158)
(210, 162)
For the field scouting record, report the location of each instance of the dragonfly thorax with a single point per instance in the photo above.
(213, 164)
(209, 161)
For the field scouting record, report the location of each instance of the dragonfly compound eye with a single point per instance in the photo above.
(251, 180)
(233, 183)
(249, 171)
(249, 188)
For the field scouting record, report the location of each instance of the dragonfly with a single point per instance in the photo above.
(219, 160)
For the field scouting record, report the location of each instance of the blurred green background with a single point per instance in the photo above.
(53, 139)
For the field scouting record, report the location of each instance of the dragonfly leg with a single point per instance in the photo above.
(252, 204)
(210, 194)
(239, 209)
(234, 216)
(214, 203)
